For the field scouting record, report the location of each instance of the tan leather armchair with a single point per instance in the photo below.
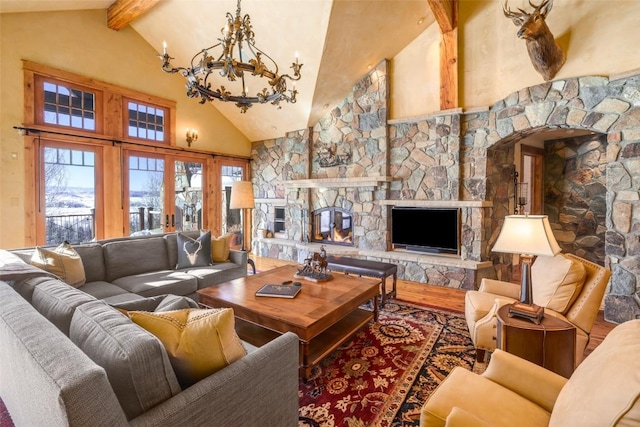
(581, 310)
(603, 391)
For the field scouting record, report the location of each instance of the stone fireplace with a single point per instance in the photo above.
(464, 159)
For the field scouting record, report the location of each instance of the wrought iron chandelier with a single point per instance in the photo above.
(239, 55)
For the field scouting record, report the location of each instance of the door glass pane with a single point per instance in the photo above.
(188, 196)
(146, 195)
(70, 195)
(231, 218)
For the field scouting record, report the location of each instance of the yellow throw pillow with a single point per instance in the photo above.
(62, 261)
(220, 248)
(199, 341)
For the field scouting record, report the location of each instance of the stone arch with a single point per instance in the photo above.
(594, 103)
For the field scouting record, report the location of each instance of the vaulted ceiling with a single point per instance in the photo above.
(336, 40)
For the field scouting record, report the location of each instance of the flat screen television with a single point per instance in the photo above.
(434, 230)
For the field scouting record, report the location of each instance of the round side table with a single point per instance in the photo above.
(551, 344)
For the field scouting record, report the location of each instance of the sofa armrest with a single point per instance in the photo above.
(529, 380)
(44, 378)
(238, 257)
(261, 389)
(498, 287)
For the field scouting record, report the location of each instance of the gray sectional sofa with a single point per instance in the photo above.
(69, 357)
(124, 269)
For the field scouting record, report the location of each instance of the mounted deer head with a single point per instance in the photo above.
(546, 56)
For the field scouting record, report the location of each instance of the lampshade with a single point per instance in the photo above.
(242, 195)
(526, 234)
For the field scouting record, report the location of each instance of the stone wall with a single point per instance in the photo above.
(467, 157)
(575, 190)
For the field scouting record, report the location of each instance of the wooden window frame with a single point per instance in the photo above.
(167, 121)
(39, 102)
(111, 108)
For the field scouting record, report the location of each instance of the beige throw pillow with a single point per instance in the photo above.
(556, 281)
(62, 261)
(220, 248)
(199, 341)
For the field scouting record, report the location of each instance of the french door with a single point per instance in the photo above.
(69, 193)
(162, 193)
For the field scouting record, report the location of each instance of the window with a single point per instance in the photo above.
(98, 170)
(67, 105)
(146, 121)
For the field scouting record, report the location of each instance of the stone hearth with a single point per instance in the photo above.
(464, 159)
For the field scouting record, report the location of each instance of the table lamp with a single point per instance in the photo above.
(529, 236)
(242, 198)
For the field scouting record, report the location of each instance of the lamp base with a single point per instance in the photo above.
(532, 312)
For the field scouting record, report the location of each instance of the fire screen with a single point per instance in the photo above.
(332, 225)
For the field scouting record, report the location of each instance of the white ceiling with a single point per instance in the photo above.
(336, 40)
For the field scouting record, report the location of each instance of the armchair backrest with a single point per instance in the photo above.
(584, 310)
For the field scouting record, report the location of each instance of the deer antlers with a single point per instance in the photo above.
(519, 18)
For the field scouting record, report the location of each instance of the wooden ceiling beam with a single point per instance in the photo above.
(122, 12)
(446, 14)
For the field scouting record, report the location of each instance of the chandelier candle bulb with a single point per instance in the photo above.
(164, 48)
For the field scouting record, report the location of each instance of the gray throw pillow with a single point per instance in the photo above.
(194, 252)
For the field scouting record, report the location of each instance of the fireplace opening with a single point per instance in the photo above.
(332, 225)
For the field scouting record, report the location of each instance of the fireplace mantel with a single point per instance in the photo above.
(364, 181)
(437, 203)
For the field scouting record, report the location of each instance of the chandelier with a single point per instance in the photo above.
(238, 56)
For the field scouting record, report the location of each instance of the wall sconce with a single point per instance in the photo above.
(192, 136)
(523, 192)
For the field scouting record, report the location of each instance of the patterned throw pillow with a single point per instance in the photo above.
(220, 248)
(199, 341)
(62, 261)
(194, 252)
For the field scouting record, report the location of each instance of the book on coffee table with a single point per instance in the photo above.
(279, 291)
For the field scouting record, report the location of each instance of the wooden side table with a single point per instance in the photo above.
(551, 344)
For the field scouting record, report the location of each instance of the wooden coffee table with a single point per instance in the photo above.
(323, 315)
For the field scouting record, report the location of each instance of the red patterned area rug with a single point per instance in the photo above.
(383, 375)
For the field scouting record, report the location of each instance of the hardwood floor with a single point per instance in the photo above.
(445, 298)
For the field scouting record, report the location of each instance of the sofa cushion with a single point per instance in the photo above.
(135, 256)
(199, 341)
(557, 281)
(26, 287)
(605, 388)
(217, 273)
(135, 361)
(103, 290)
(57, 301)
(194, 252)
(220, 248)
(62, 261)
(93, 261)
(158, 303)
(159, 283)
